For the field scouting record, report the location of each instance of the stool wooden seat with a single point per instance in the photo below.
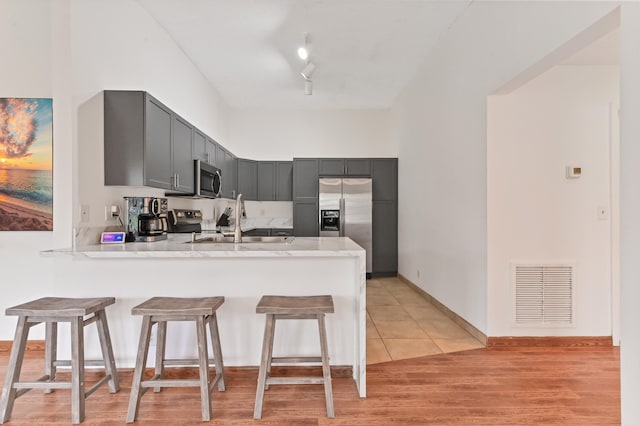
(51, 311)
(293, 307)
(159, 310)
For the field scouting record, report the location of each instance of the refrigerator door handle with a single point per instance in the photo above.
(342, 218)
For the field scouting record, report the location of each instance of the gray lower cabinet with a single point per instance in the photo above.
(141, 136)
(384, 256)
(269, 232)
(305, 218)
(258, 232)
(247, 178)
(275, 180)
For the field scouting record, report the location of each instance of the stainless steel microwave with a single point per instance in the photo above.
(208, 180)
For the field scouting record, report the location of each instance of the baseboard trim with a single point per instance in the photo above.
(468, 327)
(549, 341)
(32, 345)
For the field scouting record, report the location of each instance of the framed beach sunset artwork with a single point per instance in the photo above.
(26, 164)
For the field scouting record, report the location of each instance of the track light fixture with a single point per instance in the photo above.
(308, 70)
(303, 51)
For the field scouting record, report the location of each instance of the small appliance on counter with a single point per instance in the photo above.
(146, 218)
(184, 220)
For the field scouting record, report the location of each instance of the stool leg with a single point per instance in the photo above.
(77, 370)
(205, 395)
(217, 350)
(141, 362)
(269, 359)
(161, 344)
(50, 351)
(326, 369)
(13, 370)
(262, 374)
(107, 351)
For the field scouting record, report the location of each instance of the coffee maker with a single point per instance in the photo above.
(146, 218)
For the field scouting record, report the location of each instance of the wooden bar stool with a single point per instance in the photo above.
(159, 310)
(51, 311)
(286, 308)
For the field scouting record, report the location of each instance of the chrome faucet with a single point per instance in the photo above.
(240, 212)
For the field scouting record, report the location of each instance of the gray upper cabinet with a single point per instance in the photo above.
(204, 148)
(266, 180)
(145, 143)
(384, 172)
(305, 179)
(200, 146)
(247, 178)
(226, 162)
(275, 180)
(137, 140)
(182, 155)
(284, 180)
(357, 167)
(231, 185)
(156, 140)
(331, 167)
(211, 148)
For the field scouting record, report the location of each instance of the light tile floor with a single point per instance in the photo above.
(402, 324)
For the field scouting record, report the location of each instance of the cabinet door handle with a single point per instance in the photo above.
(177, 181)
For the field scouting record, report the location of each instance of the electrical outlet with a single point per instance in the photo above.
(84, 213)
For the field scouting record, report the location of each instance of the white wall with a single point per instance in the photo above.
(535, 214)
(630, 212)
(283, 134)
(35, 35)
(117, 45)
(440, 127)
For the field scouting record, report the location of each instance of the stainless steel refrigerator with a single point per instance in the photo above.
(345, 210)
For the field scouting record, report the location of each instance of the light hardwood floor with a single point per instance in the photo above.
(402, 324)
(500, 386)
(512, 386)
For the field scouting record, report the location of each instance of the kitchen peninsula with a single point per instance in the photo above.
(242, 273)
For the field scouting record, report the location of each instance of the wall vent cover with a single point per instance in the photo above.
(544, 294)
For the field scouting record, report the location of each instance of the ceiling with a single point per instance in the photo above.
(366, 51)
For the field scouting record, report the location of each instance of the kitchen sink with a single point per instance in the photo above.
(219, 239)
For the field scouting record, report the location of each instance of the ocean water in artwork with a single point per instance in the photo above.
(33, 187)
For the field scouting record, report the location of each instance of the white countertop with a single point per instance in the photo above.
(179, 246)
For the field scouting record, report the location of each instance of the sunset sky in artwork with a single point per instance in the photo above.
(26, 133)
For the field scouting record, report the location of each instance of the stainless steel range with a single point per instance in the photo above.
(185, 220)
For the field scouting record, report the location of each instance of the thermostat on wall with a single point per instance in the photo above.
(574, 172)
(112, 238)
